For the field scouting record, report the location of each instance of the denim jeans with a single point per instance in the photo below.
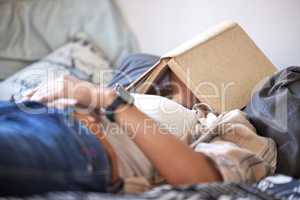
(44, 150)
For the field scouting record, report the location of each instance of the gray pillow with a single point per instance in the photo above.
(31, 29)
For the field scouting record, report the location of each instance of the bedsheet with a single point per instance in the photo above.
(80, 58)
(270, 188)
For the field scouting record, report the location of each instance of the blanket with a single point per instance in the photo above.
(273, 187)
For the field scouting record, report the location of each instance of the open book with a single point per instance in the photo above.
(221, 67)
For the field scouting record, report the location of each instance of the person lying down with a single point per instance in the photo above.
(143, 140)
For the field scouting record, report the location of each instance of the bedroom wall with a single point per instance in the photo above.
(163, 24)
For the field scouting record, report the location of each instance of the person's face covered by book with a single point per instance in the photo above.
(170, 86)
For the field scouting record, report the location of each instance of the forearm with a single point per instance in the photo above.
(174, 160)
(93, 96)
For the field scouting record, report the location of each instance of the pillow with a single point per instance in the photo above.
(274, 110)
(169, 115)
(79, 58)
(29, 30)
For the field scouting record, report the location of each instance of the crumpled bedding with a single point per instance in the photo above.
(79, 58)
(270, 188)
(30, 30)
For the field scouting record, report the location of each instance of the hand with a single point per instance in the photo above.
(61, 87)
(68, 90)
(58, 92)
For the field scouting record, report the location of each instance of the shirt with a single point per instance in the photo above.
(228, 140)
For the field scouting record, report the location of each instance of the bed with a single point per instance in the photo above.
(80, 58)
(80, 40)
(270, 188)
